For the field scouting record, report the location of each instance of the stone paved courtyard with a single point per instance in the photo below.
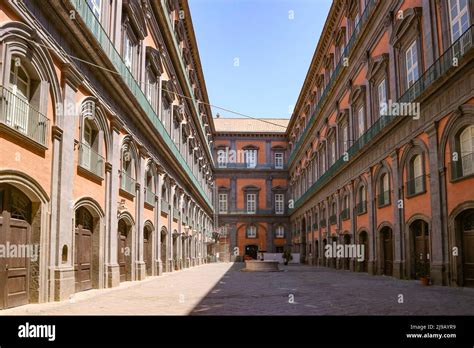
(221, 289)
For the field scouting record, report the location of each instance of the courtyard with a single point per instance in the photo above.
(221, 289)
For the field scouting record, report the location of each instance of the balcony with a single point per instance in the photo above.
(127, 183)
(149, 197)
(165, 207)
(371, 4)
(91, 22)
(437, 70)
(361, 207)
(176, 214)
(90, 160)
(17, 114)
(246, 212)
(315, 226)
(383, 198)
(333, 219)
(345, 214)
(415, 186)
(462, 168)
(323, 223)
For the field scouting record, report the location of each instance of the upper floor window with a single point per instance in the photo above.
(345, 138)
(333, 151)
(128, 172)
(251, 203)
(279, 203)
(382, 97)
(361, 121)
(250, 158)
(411, 61)
(19, 105)
(323, 161)
(459, 18)
(252, 231)
(95, 7)
(222, 202)
(89, 155)
(280, 232)
(278, 160)
(127, 52)
(415, 172)
(466, 142)
(384, 190)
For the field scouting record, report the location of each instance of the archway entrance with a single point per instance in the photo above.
(147, 251)
(387, 251)
(83, 249)
(466, 224)
(420, 249)
(251, 250)
(364, 242)
(124, 250)
(15, 231)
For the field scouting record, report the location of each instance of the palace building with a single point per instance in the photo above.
(111, 178)
(113, 166)
(399, 183)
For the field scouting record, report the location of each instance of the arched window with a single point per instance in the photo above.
(128, 171)
(361, 200)
(416, 180)
(466, 142)
(19, 105)
(149, 187)
(384, 190)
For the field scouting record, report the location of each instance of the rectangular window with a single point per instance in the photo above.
(278, 160)
(127, 52)
(280, 232)
(95, 7)
(251, 158)
(252, 231)
(251, 203)
(222, 202)
(459, 18)
(382, 95)
(279, 203)
(345, 138)
(360, 121)
(333, 151)
(411, 60)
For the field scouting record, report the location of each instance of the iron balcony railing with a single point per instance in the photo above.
(463, 167)
(383, 198)
(315, 226)
(361, 207)
(333, 219)
(93, 24)
(415, 185)
(247, 212)
(165, 206)
(17, 113)
(323, 223)
(149, 196)
(127, 183)
(345, 214)
(176, 214)
(272, 166)
(339, 67)
(90, 160)
(439, 68)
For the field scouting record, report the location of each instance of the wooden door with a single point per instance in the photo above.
(387, 252)
(15, 231)
(421, 252)
(364, 241)
(468, 250)
(83, 259)
(123, 251)
(147, 251)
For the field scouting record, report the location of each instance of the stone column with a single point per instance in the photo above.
(63, 203)
(438, 264)
(371, 265)
(397, 228)
(353, 225)
(140, 267)
(159, 185)
(171, 260)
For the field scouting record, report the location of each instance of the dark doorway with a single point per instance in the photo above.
(251, 250)
(347, 241)
(421, 248)
(364, 242)
(467, 224)
(124, 251)
(147, 245)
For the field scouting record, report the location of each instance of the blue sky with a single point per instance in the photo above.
(272, 51)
